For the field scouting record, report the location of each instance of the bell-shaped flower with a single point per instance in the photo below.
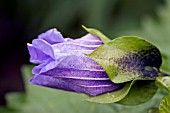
(64, 65)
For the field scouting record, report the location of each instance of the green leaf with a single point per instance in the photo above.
(140, 92)
(165, 105)
(113, 96)
(163, 82)
(126, 58)
(97, 33)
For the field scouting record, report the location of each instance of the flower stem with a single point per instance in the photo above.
(164, 74)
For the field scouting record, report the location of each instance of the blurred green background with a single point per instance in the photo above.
(23, 20)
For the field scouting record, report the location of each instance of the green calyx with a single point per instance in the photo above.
(133, 93)
(128, 58)
(131, 60)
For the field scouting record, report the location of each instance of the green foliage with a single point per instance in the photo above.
(165, 105)
(153, 110)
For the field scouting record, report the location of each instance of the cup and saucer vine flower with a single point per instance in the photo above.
(123, 70)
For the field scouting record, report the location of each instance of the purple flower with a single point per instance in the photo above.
(63, 65)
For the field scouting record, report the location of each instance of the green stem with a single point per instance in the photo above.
(164, 74)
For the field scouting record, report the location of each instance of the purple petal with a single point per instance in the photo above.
(65, 84)
(86, 44)
(50, 82)
(72, 62)
(73, 48)
(77, 74)
(43, 46)
(52, 36)
(88, 40)
(38, 69)
(81, 62)
(89, 83)
(36, 56)
(90, 37)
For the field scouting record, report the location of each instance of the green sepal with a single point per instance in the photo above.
(97, 33)
(116, 55)
(141, 92)
(113, 96)
(164, 106)
(133, 93)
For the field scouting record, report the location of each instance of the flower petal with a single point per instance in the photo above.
(91, 83)
(77, 74)
(86, 44)
(43, 46)
(38, 69)
(52, 36)
(64, 66)
(90, 37)
(88, 40)
(73, 62)
(65, 84)
(70, 47)
(36, 56)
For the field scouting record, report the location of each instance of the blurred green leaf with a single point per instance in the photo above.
(165, 105)
(153, 110)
